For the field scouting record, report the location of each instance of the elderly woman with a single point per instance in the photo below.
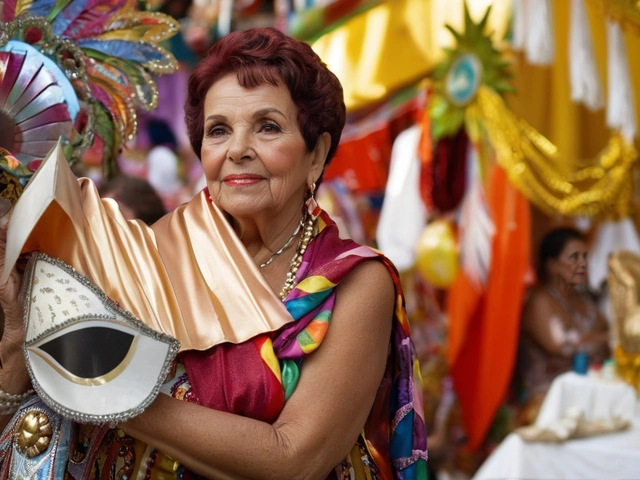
(560, 318)
(328, 395)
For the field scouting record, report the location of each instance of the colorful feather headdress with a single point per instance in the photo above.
(76, 69)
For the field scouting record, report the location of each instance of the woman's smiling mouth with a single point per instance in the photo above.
(241, 180)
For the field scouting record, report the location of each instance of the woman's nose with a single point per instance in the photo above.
(240, 147)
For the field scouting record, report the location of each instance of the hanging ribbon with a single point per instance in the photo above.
(224, 17)
(540, 40)
(621, 103)
(476, 228)
(519, 23)
(585, 81)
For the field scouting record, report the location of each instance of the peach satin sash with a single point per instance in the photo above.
(189, 276)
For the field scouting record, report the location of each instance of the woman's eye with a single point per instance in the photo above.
(269, 127)
(215, 131)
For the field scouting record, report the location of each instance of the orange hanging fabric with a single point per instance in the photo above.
(425, 152)
(484, 326)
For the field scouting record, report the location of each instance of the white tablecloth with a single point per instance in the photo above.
(598, 399)
(614, 456)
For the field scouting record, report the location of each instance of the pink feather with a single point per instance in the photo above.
(9, 10)
(96, 14)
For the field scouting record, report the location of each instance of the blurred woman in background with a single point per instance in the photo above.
(560, 322)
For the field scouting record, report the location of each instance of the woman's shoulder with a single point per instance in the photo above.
(538, 294)
(539, 303)
(371, 282)
(372, 273)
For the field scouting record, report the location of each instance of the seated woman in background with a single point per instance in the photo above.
(560, 318)
(136, 198)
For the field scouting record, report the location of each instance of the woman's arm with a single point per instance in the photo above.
(320, 422)
(596, 342)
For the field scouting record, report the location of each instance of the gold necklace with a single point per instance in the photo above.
(285, 246)
(305, 239)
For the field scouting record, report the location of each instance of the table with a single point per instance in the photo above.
(614, 456)
(597, 398)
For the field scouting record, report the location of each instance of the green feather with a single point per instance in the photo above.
(57, 8)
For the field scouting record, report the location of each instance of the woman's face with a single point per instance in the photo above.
(571, 264)
(253, 154)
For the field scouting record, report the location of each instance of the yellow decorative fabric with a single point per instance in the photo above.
(182, 277)
(395, 44)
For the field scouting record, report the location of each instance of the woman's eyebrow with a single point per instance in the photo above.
(265, 111)
(215, 117)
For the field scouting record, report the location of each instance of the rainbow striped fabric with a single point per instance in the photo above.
(398, 432)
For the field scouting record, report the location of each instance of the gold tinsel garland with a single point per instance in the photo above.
(625, 12)
(535, 166)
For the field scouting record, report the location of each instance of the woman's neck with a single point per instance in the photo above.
(567, 290)
(264, 238)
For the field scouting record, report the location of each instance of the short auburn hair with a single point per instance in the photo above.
(266, 55)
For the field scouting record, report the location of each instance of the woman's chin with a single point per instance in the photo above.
(579, 281)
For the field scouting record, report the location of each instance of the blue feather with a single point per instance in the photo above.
(134, 51)
(68, 15)
(41, 8)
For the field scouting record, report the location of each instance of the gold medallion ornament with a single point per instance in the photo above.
(474, 62)
(33, 433)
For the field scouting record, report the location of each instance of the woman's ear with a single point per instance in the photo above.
(319, 157)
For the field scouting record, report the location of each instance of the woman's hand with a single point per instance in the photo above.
(14, 378)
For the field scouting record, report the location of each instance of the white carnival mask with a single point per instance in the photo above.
(89, 359)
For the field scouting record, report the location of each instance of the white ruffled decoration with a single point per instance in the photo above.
(403, 216)
(519, 9)
(224, 17)
(540, 39)
(585, 78)
(621, 112)
(476, 228)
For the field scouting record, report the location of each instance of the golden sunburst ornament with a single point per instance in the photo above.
(472, 63)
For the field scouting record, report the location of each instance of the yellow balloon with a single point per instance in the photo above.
(437, 254)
